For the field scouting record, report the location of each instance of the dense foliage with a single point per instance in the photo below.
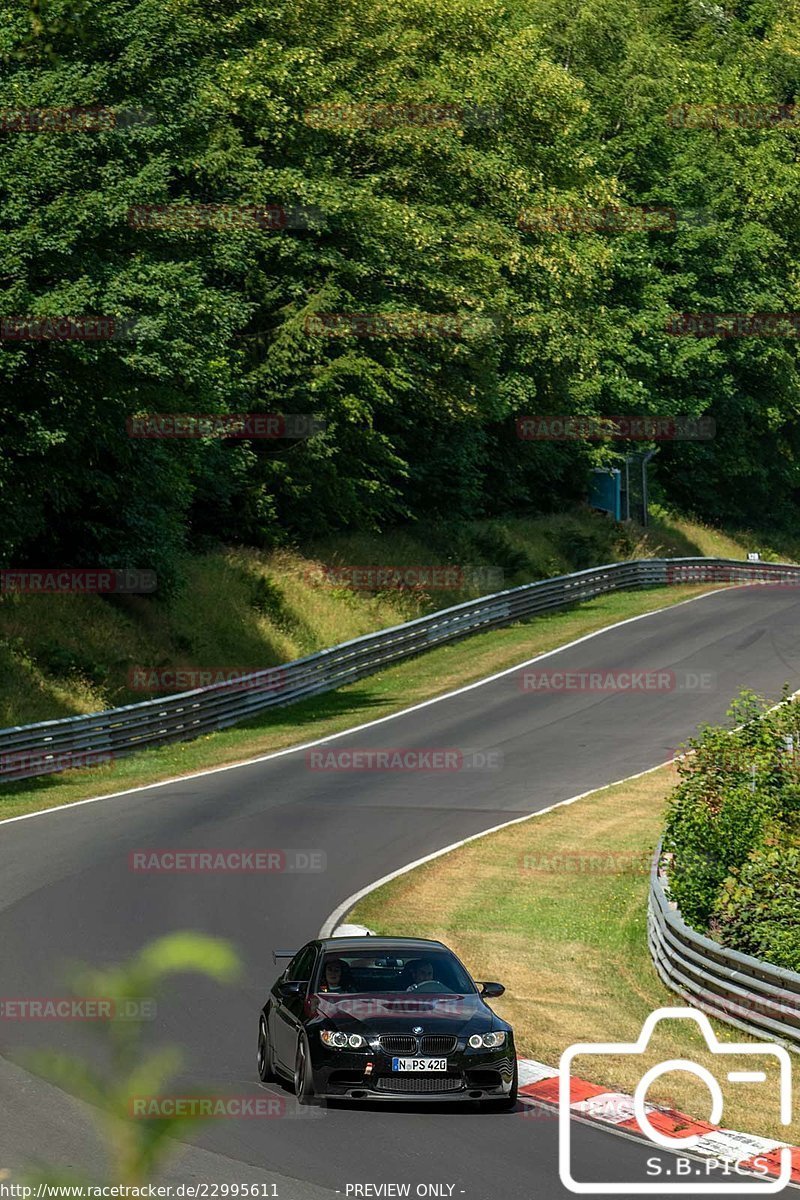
(732, 842)
(759, 910)
(571, 103)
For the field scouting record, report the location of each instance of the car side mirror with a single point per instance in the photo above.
(294, 987)
(492, 989)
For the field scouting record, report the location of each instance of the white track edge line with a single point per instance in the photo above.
(346, 905)
(248, 762)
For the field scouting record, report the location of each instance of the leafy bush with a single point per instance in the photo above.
(586, 547)
(495, 546)
(65, 661)
(731, 832)
(758, 909)
(708, 842)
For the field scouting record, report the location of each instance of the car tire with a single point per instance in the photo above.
(303, 1087)
(505, 1103)
(266, 1067)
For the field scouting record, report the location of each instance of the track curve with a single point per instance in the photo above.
(66, 893)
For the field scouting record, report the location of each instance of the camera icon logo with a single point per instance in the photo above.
(640, 1107)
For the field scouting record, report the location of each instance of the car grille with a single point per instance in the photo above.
(437, 1043)
(401, 1043)
(432, 1043)
(417, 1083)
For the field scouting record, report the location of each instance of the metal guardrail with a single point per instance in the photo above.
(752, 995)
(50, 746)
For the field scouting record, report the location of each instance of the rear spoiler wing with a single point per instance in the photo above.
(276, 954)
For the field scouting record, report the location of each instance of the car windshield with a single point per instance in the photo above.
(358, 971)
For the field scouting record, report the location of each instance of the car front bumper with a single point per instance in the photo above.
(478, 1076)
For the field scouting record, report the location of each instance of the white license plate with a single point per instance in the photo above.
(419, 1064)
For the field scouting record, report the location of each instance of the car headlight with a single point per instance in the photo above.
(487, 1041)
(342, 1041)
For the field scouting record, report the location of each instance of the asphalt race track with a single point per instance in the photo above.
(67, 893)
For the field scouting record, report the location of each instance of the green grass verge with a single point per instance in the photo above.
(420, 678)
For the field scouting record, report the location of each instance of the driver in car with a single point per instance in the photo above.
(421, 972)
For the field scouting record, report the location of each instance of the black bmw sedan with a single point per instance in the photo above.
(374, 1018)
